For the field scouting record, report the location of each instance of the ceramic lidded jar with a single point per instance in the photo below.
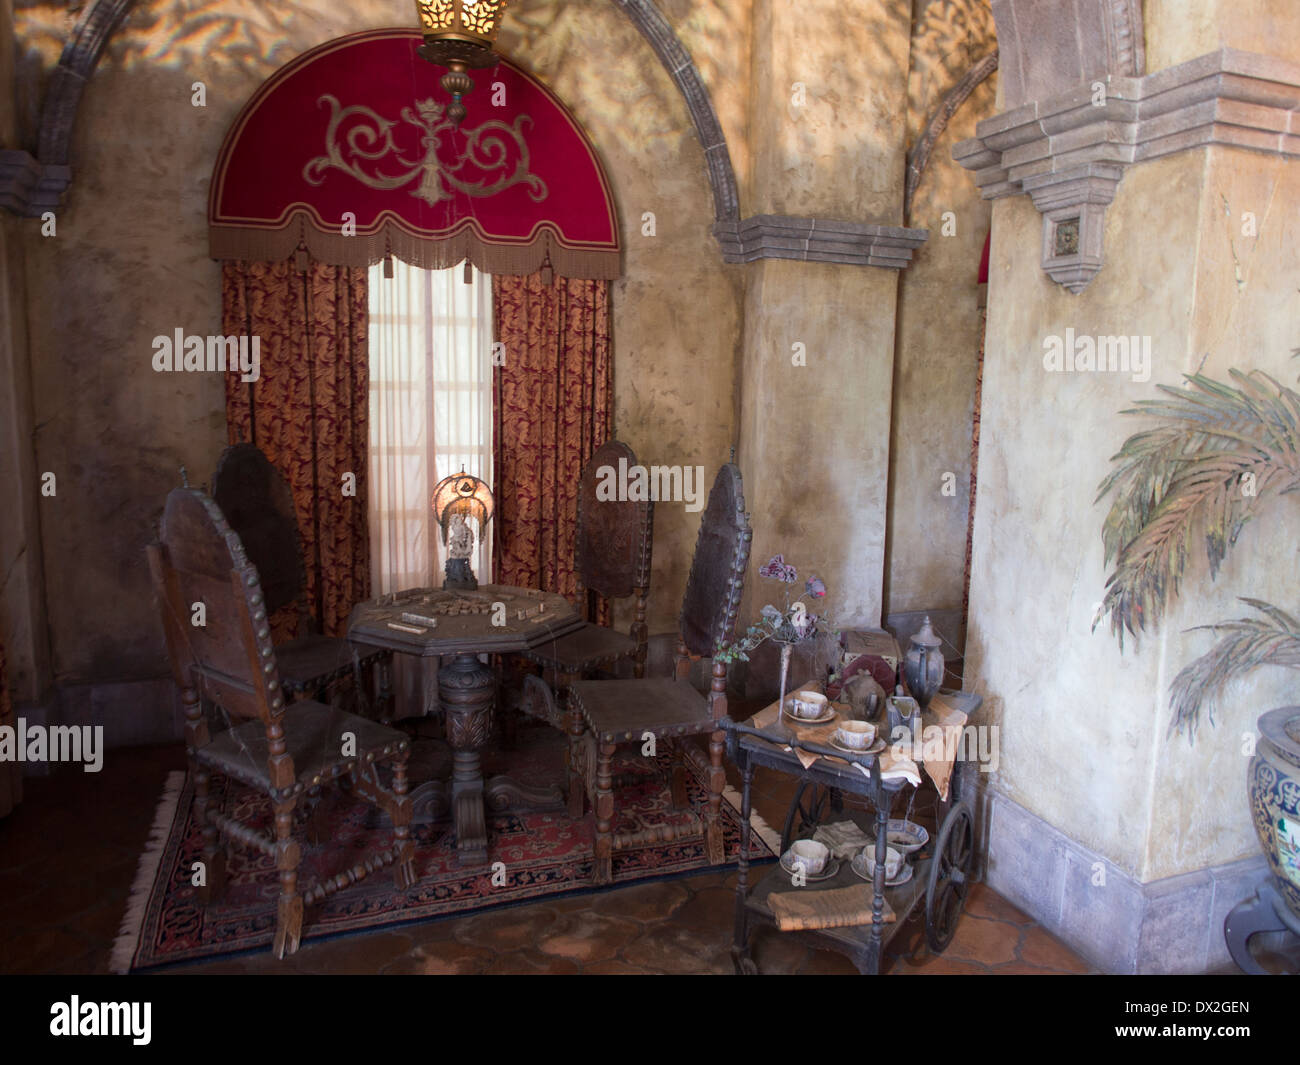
(923, 665)
(1274, 784)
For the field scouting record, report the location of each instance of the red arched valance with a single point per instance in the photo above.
(352, 138)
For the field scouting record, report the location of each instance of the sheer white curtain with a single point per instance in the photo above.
(430, 414)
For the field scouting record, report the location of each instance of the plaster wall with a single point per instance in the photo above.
(1179, 30)
(130, 262)
(1083, 727)
(838, 154)
(939, 324)
(1247, 303)
(814, 437)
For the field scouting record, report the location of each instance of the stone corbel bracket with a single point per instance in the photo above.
(1069, 152)
(817, 240)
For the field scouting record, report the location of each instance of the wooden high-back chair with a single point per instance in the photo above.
(257, 502)
(223, 654)
(623, 711)
(613, 548)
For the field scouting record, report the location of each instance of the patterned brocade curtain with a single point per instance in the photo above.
(308, 413)
(552, 407)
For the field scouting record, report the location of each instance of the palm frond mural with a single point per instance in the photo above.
(1246, 643)
(1215, 454)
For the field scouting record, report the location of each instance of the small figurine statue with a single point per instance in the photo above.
(460, 545)
(460, 539)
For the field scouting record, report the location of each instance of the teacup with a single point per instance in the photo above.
(807, 704)
(809, 854)
(893, 861)
(856, 735)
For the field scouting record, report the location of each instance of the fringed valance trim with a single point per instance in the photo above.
(260, 244)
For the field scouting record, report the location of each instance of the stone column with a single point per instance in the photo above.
(817, 351)
(1129, 844)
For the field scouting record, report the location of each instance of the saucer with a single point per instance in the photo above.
(875, 748)
(859, 867)
(827, 715)
(831, 869)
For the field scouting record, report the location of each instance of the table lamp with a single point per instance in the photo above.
(455, 499)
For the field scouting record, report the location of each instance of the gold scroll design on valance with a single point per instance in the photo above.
(363, 147)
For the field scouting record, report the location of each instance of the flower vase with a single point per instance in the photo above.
(786, 649)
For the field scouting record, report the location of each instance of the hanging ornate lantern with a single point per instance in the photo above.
(458, 35)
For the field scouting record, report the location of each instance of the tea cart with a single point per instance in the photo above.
(942, 871)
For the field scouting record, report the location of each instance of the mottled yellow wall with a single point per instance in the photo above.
(130, 262)
(1083, 726)
(815, 437)
(939, 323)
(1179, 30)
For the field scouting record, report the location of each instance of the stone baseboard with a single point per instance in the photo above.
(1173, 925)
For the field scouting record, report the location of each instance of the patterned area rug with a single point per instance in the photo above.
(544, 854)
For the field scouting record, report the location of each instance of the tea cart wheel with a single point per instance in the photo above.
(808, 813)
(950, 877)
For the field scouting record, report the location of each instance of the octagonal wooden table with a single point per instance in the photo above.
(461, 625)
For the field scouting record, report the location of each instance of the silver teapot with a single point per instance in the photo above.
(923, 665)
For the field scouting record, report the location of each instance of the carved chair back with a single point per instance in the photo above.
(615, 537)
(258, 504)
(223, 653)
(717, 577)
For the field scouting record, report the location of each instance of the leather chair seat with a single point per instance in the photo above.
(586, 649)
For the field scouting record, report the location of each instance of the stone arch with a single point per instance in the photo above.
(48, 173)
(76, 65)
(681, 68)
(919, 155)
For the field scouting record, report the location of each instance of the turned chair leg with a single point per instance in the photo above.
(214, 855)
(404, 866)
(717, 782)
(604, 869)
(288, 923)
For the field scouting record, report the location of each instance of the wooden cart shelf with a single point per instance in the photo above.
(941, 872)
(853, 940)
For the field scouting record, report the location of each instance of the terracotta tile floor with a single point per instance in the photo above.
(68, 856)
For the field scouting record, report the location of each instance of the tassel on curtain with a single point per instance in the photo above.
(308, 413)
(552, 406)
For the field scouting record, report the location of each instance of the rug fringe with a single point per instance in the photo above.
(756, 823)
(137, 903)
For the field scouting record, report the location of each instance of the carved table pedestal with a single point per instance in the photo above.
(457, 627)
